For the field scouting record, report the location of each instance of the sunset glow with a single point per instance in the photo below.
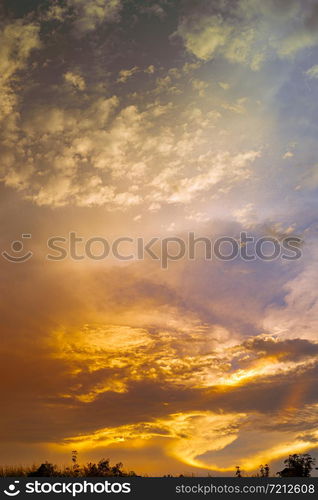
(140, 140)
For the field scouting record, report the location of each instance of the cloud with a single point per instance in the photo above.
(289, 349)
(222, 169)
(296, 42)
(75, 79)
(213, 36)
(246, 215)
(56, 12)
(224, 85)
(104, 154)
(139, 362)
(313, 71)
(209, 36)
(208, 440)
(308, 179)
(200, 86)
(91, 13)
(248, 32)
(237, 107)
(17, 40)
(104, 353)
(125, 74)
(287, 155)
(154, 9)
(190, 434)
(297, 316)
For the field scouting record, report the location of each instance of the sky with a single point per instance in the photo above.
(133, 119)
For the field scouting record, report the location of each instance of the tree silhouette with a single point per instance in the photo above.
(76, 466)
(45, 470)
(298, 466)
(238, 472)
(264, 470)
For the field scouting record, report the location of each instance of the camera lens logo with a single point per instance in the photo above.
(17, 250)
(13, 492)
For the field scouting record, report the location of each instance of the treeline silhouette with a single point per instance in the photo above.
(296, 465)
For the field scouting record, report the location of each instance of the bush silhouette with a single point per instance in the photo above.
(45, 470)
(102, 469)
(298, 466)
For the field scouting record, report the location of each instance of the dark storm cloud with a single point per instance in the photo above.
(290, 349)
